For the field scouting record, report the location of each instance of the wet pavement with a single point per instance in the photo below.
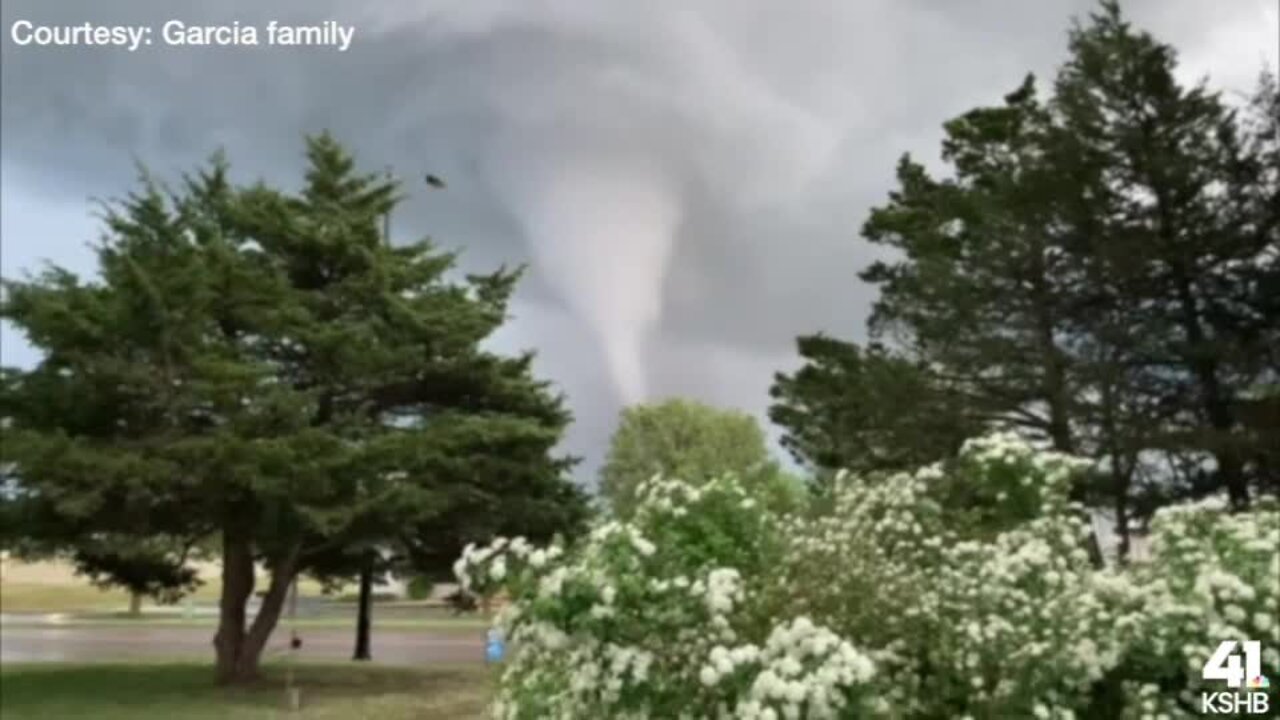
(68, 643)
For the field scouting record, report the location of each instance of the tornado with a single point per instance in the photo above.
(602, 228)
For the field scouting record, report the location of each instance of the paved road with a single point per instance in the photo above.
(52, 643)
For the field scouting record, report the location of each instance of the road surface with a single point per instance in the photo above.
(72, 643)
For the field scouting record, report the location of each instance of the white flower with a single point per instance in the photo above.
(551, 584)
(642, 546)
(1234, 613)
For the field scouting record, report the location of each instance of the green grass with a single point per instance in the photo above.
(53, 587)
(156, 692)
(24, 597)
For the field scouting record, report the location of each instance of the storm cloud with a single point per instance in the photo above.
(685, 179)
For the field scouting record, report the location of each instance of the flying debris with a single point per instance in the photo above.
(434, 181)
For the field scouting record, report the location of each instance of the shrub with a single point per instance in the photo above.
(419, 588)
(960, 590)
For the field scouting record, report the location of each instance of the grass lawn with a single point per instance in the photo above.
(53, 587)
(185, 690)
(24, 597)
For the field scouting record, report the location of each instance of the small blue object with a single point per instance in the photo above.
(494, 647)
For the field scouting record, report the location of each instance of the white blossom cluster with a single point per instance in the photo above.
(960, 590)
(1212, 576)
(916, 577)
(804, 671)
(480, 569)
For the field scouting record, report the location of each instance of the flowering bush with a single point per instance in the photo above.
(662, 617)
(959, 590)
(1212, 576)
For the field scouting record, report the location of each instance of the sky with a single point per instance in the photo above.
(686, 179)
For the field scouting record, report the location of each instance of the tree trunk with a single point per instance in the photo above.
(1215, 399)
(364, 615)
(1122, 516)
(1230, 471)
(1122, 468)
(1058, 398)
(237, 586)
(1055, 391)
(135, 604)
(239, 648)
(1230, 466)
(1054, 385)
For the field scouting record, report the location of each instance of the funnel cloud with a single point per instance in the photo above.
(606, 228)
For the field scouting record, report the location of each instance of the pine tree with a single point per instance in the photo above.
(1097, 269)
(1186, 203)
(258, 365)
(981, 293)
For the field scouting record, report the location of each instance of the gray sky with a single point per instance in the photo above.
(685, 177)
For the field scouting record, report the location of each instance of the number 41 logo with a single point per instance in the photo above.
(1224, 664)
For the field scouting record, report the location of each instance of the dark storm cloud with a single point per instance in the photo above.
(686, 179)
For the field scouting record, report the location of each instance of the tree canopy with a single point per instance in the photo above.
(688, 440)
(865, 409)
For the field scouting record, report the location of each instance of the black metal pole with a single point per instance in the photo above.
(364, 619)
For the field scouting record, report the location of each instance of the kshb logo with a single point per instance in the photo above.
(1225, 664)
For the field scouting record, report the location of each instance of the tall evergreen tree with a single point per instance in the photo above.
(980, 294)
(259, 365)
(1185, 201)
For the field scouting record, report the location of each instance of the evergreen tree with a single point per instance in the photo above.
(981, 295)
(1097, 270)
(151, 567)
(259, 365)
(1184, 192)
